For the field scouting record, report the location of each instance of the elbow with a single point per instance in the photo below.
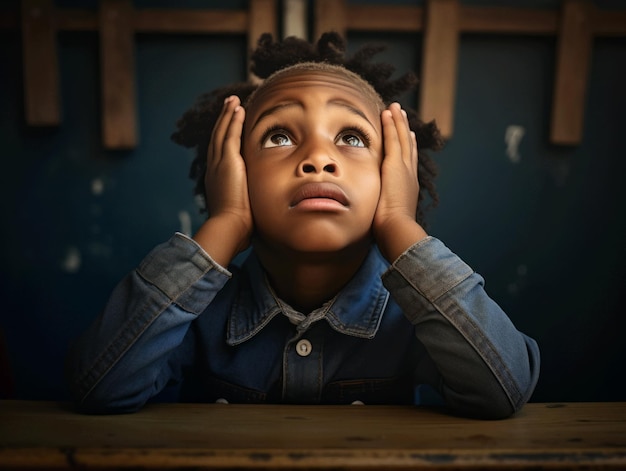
(505, 399)
(94, 405)
(486, 409)
(486, 403)
(100, 400)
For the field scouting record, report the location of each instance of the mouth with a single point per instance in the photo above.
(320, 193)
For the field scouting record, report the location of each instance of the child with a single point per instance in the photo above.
(343, 297)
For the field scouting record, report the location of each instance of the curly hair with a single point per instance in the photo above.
(194, 128)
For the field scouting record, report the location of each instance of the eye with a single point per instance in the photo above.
(353, 138)
(275, 138)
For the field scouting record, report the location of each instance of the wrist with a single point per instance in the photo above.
(223, 237)
(395, 237)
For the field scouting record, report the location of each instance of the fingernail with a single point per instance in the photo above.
(228, 99)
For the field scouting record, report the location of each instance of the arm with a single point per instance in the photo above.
(486, 367)
(124, 358)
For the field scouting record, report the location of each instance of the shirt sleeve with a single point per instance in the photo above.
(121, 361)
(485, 367)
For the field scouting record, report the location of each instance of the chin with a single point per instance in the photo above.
(324, 245)
(320, 238)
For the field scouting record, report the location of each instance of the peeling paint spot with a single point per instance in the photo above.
(200, 202)
(512, 138)
(72, 261)
(97, 186)
(185, 222)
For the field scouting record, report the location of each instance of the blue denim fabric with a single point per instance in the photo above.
(182, 327)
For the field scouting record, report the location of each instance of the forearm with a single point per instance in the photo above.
(223, 237)
(119, 362)
(397, 235)
(487, 367)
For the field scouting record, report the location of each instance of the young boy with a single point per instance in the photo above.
(343, 296)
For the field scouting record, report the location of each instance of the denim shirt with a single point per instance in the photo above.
(181, 327)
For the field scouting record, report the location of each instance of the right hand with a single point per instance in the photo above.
(229, 227)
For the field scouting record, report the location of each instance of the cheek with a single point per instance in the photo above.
(263, 193)
(370, 185)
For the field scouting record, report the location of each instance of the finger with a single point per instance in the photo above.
(391, 142)
(220, 129)
(232, 139)
(412, 161)
(404, 132)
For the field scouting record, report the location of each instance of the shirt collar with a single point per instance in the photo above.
(356, 310)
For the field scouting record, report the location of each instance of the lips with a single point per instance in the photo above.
(319, 190)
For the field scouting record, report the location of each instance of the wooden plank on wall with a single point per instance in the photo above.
(439, 63)
(573, 60)
(261, 19)
(119, 122)
(507, 20)
(386, 18)
(330, 15)
(190, 21)
(42, 102)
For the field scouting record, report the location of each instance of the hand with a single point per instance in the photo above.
(229, 227)
(395, 228)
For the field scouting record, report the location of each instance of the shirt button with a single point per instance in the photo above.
(304, 347)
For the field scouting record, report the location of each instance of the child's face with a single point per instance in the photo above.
(313, 146)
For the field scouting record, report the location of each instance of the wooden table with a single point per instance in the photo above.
(46, 435)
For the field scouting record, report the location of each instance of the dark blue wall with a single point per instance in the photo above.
(547, 232)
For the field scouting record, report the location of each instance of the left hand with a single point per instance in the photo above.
(394, 227)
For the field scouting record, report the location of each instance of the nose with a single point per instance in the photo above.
(317, 159)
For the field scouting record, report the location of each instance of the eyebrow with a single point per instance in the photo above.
(288, 104)
(272, 109)
(352, 109)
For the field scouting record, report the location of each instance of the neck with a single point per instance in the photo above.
(307, 280)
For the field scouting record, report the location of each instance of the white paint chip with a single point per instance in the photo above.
(512, 138)
(72, 261)
(200, 202)
(97, 186)
(185, 222)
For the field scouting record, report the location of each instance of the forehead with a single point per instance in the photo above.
(300, 84)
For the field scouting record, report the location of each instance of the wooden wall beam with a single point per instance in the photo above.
(508, 20)
(190, 21)
(261, 19)
(439, 63)
(42, 103)
(608, 23)
(330, 15)
(573, 60)
(386, 18)
(117, 74)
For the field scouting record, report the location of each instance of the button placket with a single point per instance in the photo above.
(304, 348)
(302, 369)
